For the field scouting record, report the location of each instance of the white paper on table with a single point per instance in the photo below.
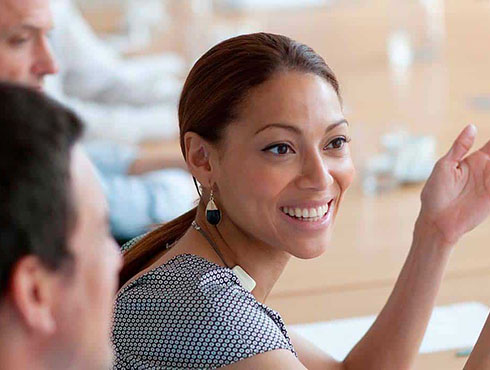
(450, 327)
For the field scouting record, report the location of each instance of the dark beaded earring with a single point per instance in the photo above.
(213, 214)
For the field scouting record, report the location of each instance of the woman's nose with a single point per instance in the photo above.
(315, 174)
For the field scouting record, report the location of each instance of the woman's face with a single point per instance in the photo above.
(285, 164)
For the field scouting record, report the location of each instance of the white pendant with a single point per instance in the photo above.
(245, 279)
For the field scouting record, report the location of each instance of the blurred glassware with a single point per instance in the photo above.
(418, 31)
(377, 176)
(406, 159)
(417, 35)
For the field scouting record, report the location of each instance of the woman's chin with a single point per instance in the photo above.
(309, 251)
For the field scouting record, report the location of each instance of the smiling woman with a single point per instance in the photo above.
(262, 130)
(235, 86)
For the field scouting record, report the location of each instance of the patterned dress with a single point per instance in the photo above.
(190, 313)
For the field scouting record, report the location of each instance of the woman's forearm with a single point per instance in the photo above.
(394, 339)
(480, 356)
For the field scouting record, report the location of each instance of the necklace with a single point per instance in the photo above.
(245, 279)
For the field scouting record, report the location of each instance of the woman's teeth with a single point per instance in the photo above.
(306, 214)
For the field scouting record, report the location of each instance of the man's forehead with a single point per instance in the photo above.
(28, 13)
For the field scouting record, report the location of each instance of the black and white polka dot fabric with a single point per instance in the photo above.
(190, 313)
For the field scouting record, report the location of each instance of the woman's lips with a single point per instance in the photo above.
(308, 214)
(308, 218)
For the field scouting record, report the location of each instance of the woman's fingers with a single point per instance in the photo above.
(462, 144)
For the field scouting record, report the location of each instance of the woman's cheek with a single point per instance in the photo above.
(344, 172)
(267, 182)
(256, 178)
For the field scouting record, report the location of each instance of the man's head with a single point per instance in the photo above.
(58, 262)
(25, 55)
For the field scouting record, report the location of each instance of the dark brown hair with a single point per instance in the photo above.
(37, 136)
(216, 86)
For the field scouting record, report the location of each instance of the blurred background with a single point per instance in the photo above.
(413, 73)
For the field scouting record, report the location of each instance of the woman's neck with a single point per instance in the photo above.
(262, 262)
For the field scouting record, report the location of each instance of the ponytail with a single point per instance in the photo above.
(145, 251)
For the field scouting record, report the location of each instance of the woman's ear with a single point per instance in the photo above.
(197, 156)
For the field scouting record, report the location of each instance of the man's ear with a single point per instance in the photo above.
(33, 293)
(197, 156)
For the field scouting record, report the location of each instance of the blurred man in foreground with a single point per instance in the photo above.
(58, 262)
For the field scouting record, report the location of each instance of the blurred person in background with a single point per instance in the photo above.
(25, 55)
(142, 190)
(58, 261)
(263, 131)
(122, 100)
(123, 103)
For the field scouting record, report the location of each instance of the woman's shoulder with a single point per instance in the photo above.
(191, 307)
(130, 243)
(184, 275)
(190, 283)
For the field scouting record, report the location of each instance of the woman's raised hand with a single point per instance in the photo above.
(456, 197)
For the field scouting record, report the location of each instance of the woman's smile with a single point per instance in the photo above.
(308, 218)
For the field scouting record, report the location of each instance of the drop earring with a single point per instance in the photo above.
(213, 214)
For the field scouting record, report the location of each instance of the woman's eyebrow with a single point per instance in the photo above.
(296, 130)
(335, 124)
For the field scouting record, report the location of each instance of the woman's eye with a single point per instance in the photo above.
(279, 149)
(337, 143)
